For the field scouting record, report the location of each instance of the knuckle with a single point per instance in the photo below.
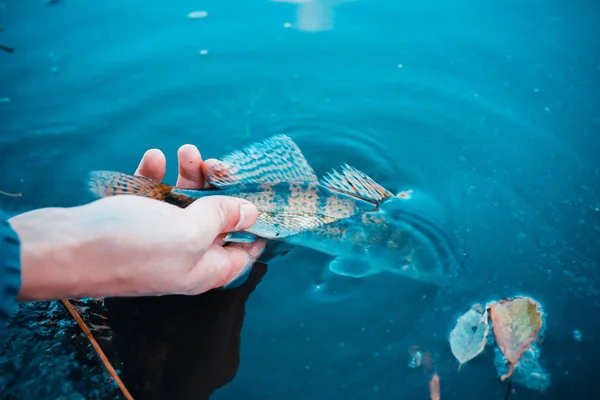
(224, 213)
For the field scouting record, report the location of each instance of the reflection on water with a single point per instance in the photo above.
(492, 114)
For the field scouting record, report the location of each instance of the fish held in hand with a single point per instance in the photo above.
(346, 214)
(273, 175)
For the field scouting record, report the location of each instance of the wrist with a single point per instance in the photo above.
(50, 239)
(110, 247)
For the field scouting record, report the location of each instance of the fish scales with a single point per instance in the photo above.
(345, 214)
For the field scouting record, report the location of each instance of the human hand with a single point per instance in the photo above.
(192, 174)
(135, 246)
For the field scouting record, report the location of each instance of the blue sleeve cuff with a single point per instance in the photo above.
(10, 270)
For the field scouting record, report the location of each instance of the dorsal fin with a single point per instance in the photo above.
(276, 159)
(356, 183)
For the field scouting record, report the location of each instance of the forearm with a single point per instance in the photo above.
(61, 256)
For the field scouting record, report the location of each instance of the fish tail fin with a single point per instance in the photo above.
(108, 183)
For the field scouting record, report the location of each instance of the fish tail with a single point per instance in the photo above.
(108, 183)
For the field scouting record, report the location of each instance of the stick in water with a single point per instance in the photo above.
(96, 346)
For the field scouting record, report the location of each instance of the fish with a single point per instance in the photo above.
(346, 214)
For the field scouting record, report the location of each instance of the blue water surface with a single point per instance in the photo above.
(491, 108)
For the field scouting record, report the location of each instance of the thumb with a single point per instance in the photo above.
(221, 214)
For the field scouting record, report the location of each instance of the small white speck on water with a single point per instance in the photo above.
(400, 66)
(536, 90)
(547, 109)
(197, 14)
(203, 52)
(287, 25)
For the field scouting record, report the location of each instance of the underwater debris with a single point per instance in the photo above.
(516, 324)
(422, 359)
(434, 387)
(197, 14)
(3, 193)
(468, 338)
(6, 48)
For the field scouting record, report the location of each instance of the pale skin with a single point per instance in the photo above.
(135, 246)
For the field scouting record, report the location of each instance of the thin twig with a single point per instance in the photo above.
(86, 331)
(2, 192)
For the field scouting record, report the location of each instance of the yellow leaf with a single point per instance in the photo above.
(468, 337)
(516, 323)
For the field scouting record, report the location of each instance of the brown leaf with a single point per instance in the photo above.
(516, 324)
(468, 338)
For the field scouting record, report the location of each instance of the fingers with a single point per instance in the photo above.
(190, 167)
(221, 214)
(215, 170)
(223, 265)
(153, 165)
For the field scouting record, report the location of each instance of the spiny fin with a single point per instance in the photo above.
(240, 237)
(356, 183)
(354, 268)
(108, 183)
(276, 159)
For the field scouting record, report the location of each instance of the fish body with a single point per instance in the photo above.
(346, 214)
(373, 241)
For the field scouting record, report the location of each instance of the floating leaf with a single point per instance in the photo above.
(468, 338)
(516, 323)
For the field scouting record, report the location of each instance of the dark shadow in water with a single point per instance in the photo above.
(180, 347)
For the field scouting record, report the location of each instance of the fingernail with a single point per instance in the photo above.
(256, 251)
(241, 276)
(245, 210)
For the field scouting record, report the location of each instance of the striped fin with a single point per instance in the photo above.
(108, 183)
(356, 183)
(274, 160)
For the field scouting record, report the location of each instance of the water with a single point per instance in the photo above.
(491, 109)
